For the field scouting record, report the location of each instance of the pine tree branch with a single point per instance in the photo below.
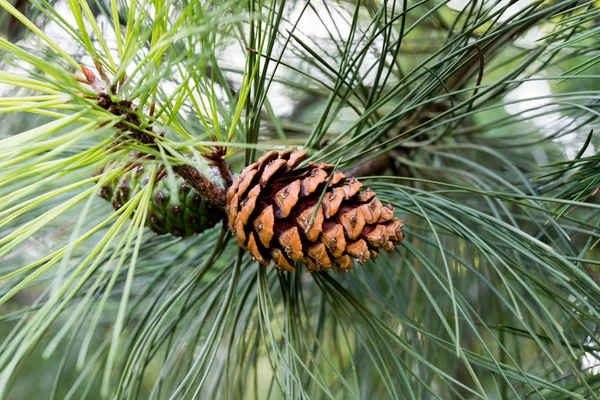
(132, 128)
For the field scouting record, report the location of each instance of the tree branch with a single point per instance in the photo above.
(196, 179)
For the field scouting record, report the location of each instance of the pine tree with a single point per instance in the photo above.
(195, 196)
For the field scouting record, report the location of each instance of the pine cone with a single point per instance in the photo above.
(178, 210)
(270, 205)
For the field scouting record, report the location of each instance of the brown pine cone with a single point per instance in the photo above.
(270, 204)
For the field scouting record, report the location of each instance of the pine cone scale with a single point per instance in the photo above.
(296, 158)
(270, 170)
(291, 243)
(253, 249)
(332, 201)
(287, 198)
(334, 239)
(353, 221)
(264, 224)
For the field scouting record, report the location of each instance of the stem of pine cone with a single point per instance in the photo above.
(214, 194)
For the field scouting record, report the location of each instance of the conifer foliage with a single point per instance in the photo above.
(423, 175)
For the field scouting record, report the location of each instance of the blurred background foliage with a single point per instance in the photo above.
(484, 113)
